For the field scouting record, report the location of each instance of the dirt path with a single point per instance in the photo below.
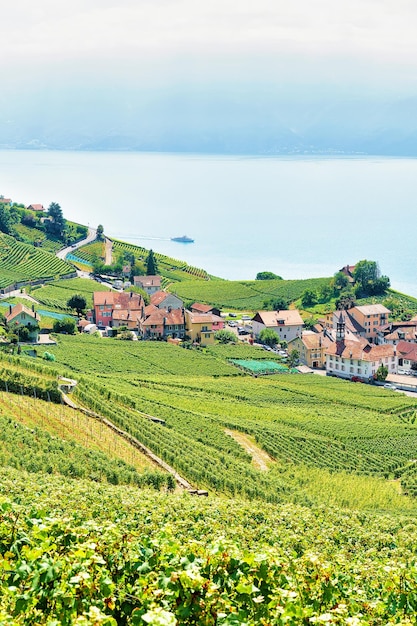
(261, 460)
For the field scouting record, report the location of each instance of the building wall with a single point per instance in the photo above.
(349, 368)
(285, 333)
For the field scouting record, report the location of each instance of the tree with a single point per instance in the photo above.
(293, 358)
(57, 224)
(77, 302)
(369, 280)
(276, 304)
(340, 281)
(6, 221)
(100, 232)
(66, 326)
(381, 373)
(308, 298)
(267, 276)
(269, 337)
(151, 264)
(225, 336)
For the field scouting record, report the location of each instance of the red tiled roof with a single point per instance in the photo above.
(21, 308)
(36, 207)
(124, 300)
(157, 317)
(201, 308)
(158, 297)
(360, 350)
(407, 349)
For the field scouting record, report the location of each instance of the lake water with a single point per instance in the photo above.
(298, 217)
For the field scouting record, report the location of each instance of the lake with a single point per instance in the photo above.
(296, 216)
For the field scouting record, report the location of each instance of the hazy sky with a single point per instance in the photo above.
(365, 41)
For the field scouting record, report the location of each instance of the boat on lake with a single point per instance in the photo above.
(183, 239)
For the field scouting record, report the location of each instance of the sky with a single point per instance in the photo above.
(140, 50)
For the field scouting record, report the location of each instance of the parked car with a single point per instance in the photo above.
(233, 324)
(389, 386)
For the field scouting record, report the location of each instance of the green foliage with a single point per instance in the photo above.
(66, 326)
(100, 232)
(77, 302)
(293, 358)
(225, 336)
(308, 298)
(269, 337)
(57, 223)
(369, 280)
(267, 276)
(276, 304)
(381, 373)
(151, 264)
(6, 219)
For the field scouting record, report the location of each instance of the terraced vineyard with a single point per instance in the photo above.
(20, 262)
(326, 534)
(56, 294)
(328, 424)
(244, 295)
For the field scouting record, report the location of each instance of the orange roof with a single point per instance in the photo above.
(170, 318)
(280, 318)
(407, 350)
(360, 350)
(202, 318)
(200, 308)
(158, 297)
(314, 341)
(21, 308)
(36, 207)
(122, 300)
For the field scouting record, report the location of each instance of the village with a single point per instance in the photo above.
(360, 344)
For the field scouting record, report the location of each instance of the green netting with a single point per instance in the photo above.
(260, 367)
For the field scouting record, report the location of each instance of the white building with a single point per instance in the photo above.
(287, 324)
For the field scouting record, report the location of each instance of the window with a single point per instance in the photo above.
(207, 336)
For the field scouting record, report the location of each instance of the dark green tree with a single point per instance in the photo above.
(6, 220)
(57, 223)
(369, 280)
(66, 325)
(267, 276)
(269, 337)
(100, 232)
(308, 298)
(77, 302)
(381, 373)
(151, 264)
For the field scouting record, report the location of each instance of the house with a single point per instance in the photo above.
(311, 347)
(199, 327)
(36, 207)
(112, 308)
(357, 358)
(197, 307)
(394, 332)
(150, 284)
(20, 315)
(372, 317)
(165, 300)
(5, 200)
(287, 324)
(160, 324)
(406, 356)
